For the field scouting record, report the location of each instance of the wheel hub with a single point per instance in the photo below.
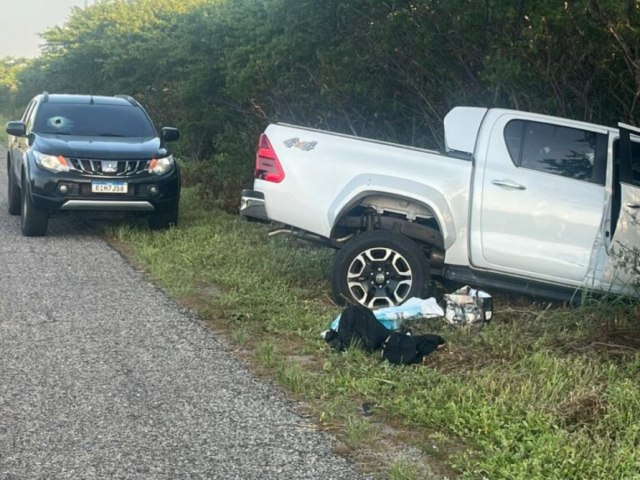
(379, 277)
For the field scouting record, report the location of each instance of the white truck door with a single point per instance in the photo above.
(622, 271)
(539, 197)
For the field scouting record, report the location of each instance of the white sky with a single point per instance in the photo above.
(22, 20)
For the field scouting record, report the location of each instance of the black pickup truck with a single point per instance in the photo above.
(84, 152)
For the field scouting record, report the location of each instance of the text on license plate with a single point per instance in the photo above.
(108, 187)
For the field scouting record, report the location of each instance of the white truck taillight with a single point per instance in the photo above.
(268, 166)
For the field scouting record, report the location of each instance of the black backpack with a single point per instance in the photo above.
(405, 349)
(358, 326)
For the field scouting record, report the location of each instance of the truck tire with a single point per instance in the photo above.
(164, 219)
(379, 268)
(13, 192)
(33, 220)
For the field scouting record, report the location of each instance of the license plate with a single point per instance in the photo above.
(108, 187)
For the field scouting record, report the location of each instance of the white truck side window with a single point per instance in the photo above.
(568, 152)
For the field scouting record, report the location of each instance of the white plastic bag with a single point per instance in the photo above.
(413, 309)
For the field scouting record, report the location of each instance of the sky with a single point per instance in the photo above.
(22, 20)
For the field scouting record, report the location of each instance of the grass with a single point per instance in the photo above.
(542, 392)
(358, 430)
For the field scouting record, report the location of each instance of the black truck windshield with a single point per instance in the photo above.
(93, 120)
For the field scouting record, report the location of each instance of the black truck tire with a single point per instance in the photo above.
(379, 268)
(163, 219)
(33, 220)
(13, 192)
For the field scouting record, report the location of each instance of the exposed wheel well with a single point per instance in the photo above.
(403, 215)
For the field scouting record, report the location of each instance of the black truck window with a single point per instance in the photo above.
(565, 151)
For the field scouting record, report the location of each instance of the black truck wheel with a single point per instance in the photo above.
(13, 192)
(165, 218)
(33, 220)
(379, 268)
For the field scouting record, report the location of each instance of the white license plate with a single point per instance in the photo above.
(108, 187)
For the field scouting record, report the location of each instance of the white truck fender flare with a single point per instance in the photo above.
(366, 185)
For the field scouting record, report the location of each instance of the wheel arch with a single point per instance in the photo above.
(392, 196)
(18, 165)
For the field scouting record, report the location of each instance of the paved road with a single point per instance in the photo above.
(102, 376)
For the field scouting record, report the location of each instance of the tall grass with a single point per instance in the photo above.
(542, 392)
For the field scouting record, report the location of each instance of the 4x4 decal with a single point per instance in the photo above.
(295, 142)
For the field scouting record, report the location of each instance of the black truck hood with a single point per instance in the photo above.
(114, 148)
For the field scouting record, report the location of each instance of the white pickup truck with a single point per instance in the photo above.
(518, 201)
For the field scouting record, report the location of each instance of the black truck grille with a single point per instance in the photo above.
(101, 167)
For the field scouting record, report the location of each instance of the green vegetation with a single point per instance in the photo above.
(222, 69)
(543, 392)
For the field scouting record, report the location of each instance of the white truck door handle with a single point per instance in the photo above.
(508, 184)
(632, 205)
